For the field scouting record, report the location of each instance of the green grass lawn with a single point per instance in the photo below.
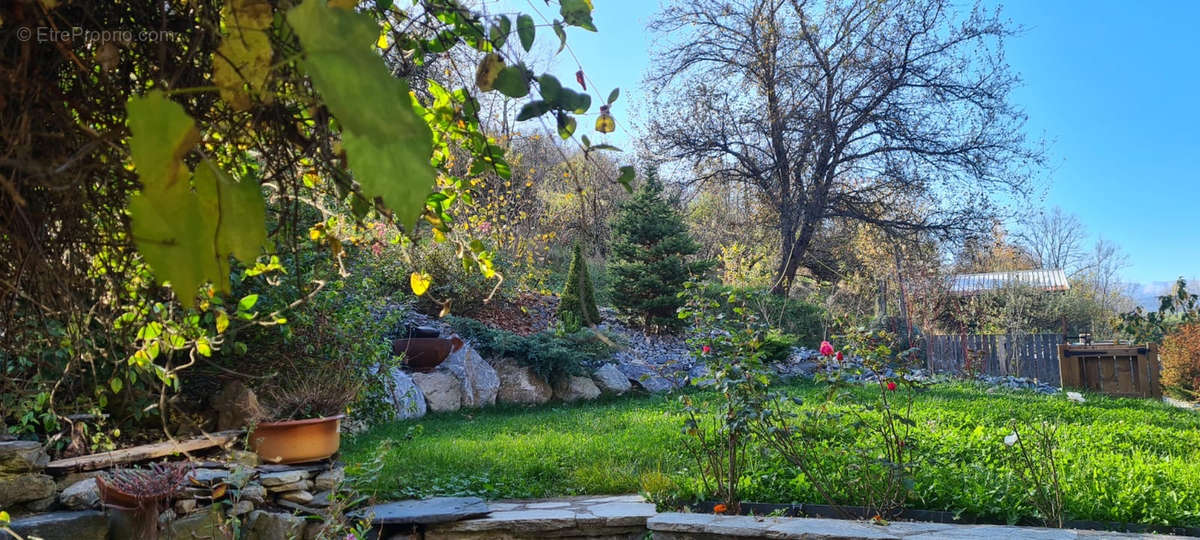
(1124, 460)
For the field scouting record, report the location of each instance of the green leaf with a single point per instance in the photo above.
(222, 321)
(247, 302)
(626, 178)
(116, 384)
(577, 13)
(608, 147)
(513, 82)
(499, 31)
(388, 146)
(203, 347)
(533, 109)
(566, 125)
(526, 31)
(586, 142)
(244, 57)
(612, 97)
(549, 87)
(562, 36)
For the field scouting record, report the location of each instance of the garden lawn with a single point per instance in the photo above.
(1123, 460)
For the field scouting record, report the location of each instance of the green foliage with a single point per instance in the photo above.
(795, 318)
(651, 248)
(1175, 308)
(551, 355)
(577, 303)
(1123, 460)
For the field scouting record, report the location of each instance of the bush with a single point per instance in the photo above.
(577, 304)
(549, 354)
(392, 267)
(1180, 356)
(777, 346)
(800, 320)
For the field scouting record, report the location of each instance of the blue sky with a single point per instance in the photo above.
(1110, 85)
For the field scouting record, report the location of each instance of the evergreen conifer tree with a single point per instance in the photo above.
(577, 304)
(651, 247)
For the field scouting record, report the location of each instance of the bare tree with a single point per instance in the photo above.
(1055, 239)
(890, 113)
(1103, 271)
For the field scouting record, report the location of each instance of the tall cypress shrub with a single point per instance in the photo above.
(577, 304)
(651, 248)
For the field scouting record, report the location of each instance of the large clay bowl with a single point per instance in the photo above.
(422, 355)
(297, 441)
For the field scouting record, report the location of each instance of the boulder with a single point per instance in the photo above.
(81, 495)
(479, 380)
(331, 479)
(20, 488)
(85, 525)
(443, 392)
(520, 385)
(237, 407)
(610, 380)
(204, 525)
(22, 456)
(406, 396)
(575, 388)
(274, 526)
(646, 377)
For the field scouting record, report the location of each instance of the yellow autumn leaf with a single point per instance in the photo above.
(605, 123)
(244, 57)
(420, 281)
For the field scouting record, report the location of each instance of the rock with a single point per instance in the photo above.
(83, 525)
(241, 507)
(573, 388)
(81, 495)
(243, 457)
(646, 377)
(237, 406)
(406, 396)
(520, 385)
(479, 380)
(66, 480)
(201, 525)
(698, 376)
(273, 526)
(294, 486)
(298, 497)
(22, 456)
(41, 505)
(19, 488)
(321, 500)
(424, 512)
(610, 380)
(331, 479)
(442, 391)
(254, 493)
(282, 477)
(208, 477)
(184, 507)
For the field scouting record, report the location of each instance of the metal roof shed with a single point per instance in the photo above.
(1045, 280)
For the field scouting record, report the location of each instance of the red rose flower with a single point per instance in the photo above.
(826, 349)
(891, 385)
(839, 356)
(706, 349)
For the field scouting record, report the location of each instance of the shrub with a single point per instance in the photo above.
(391, 268)
(577, 304)
(652, 245)
(798, 319)
(549, 354)
(1180, 356)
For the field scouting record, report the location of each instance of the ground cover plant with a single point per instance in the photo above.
(1122, 460)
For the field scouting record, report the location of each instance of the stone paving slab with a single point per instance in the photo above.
(595, 518)
(425, 511)
(682, 526)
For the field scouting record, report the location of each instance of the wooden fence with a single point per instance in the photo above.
(1021, 355)
(1116, 370)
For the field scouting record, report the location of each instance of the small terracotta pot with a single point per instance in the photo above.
(297, 441)
(423, 354)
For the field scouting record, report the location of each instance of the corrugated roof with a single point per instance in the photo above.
(1046, 280)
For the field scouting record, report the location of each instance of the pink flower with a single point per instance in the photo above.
(839, 356)
(826, 349)
(706, 349)
(891, 386)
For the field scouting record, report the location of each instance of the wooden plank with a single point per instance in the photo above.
(1126, 365)
(1067, 373)
(145, 452)
(1108, 374)
(1152, 365)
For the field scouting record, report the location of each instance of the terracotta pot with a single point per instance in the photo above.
(424, 354)
(297, 441)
